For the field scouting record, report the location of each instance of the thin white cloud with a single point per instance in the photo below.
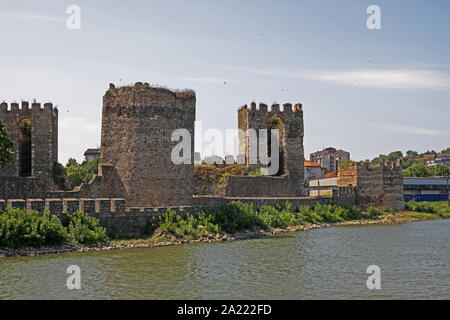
(387, 79)
(397, 128)
(30, 16)
(409, 79)
(205, 80)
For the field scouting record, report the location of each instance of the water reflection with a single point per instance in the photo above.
(319, 264)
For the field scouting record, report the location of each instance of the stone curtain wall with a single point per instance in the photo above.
(112, 213)
(260, 186)
(344, 196)
(44, 149)
(119, 220)
(380, 186)
(137, 124)
(293, 152)
(205, 187)
(211, 201)
(22, 187)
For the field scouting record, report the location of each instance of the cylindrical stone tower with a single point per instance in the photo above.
(137, 126)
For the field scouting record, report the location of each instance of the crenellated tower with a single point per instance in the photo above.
(380, 185)
(289, 122)
(34, 131)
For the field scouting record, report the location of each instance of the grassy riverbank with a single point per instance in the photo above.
(31, 234)
(241, 221)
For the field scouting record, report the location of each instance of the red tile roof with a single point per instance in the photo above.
(311, 164)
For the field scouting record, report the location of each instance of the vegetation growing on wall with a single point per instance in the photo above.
(237, 216)
(19, 228)
(211, 173)
(6, 146)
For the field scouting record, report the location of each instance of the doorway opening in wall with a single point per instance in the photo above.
(25, 147)
(276, 123)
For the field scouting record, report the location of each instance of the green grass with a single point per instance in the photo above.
(439, 208)
(418, 215)
(141, 241)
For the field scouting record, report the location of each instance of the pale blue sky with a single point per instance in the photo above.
(366, 91)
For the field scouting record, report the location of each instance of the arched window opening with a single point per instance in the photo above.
(25, 147)
(276, 123)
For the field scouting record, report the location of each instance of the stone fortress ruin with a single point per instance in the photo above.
(136, 145)
(35, 134)
(137, 178)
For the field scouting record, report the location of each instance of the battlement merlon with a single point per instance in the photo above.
(143, 95)
(24, 109)
(102, 206)
(274, 109)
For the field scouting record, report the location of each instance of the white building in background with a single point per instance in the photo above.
(322, 187)
(313, 170)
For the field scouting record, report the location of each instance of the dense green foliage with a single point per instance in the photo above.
(419, 170)
(59, 176)
(6, 146)
(440, 208)
(77, 173)
(84, 229)
(237, 216)
(21, 229)
(374, 212)
(408, 159)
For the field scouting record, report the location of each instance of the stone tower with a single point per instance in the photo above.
(380, 185)
(135, 163)
(289, 122)
(35, 134)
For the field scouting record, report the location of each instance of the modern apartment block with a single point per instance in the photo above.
(330, 158)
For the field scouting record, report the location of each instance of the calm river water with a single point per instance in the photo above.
(325, 263)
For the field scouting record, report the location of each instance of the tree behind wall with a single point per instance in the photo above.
(6, 147)
(83, 172)
(419, 170)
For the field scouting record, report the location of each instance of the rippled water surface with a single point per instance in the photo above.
(326, 263)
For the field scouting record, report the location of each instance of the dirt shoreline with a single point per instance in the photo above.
(208, 238)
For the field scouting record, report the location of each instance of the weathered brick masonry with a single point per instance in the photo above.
(290, 177)
(137, 125)
(30, 174)
(380, 186)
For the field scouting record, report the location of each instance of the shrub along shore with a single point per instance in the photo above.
(23, 233)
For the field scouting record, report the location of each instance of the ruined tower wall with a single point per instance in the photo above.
(44, 149)
(370, 187)
(137, 125)
(393, 186)
(380, 186)
(292, 132)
